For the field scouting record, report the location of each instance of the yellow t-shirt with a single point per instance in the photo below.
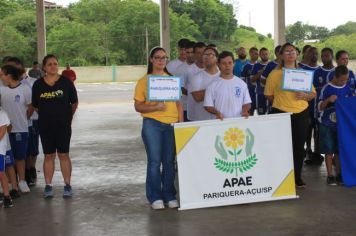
(169, 116)
(283, 100)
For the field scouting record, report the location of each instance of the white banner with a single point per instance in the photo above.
(234, 161)
(297, 80)
(164, 88)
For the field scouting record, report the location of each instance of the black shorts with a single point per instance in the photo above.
(55, 137)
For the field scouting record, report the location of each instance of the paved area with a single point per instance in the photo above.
(109, 177)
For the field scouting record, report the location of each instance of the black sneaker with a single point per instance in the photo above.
(1, 198)
(33, 173)
(331, 181)
(339, 180)
(299, 183)
(7, 202)
(28, 178)
(14, 194)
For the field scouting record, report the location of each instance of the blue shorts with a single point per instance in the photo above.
(2, 163)
(33, 139)
(9, 159)
(19, 143)
(328, 140)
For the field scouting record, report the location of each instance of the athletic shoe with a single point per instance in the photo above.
(173, 204)
(157, 205)
(48, 192)
(28, 177)
(33, 173)
(1, 198)
(14, 194)
(299, 183)
(330, 180)
(7, 202)
(23, 186)
(67, 191)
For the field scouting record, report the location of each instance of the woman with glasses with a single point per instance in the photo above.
(158, 135)
(293, 102)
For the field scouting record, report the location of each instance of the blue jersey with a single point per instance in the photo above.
(351, 82)
(320, 79)
(238, 66)
(307, 67)
(259, 86)
(268, 69)
(246, 73)
(328, 115)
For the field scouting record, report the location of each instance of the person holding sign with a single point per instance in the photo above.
(293, 99)
(158, 134)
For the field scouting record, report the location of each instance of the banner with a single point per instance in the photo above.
(234, 161)
(346, 129)
(164, 88)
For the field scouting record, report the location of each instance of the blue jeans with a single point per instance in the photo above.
(160, 148)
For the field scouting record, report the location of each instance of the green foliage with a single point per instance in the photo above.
(299, 32)
(230, 167)
(215, 18)
(347, 29)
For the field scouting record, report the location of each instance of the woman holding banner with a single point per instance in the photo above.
(291, 101)
(158, 135)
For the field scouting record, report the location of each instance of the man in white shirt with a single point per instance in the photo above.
(191, 72)
(182, 56)
(201, 81)
(228, 97)
(180, 72)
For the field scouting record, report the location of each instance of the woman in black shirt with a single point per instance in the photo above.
(56, 101)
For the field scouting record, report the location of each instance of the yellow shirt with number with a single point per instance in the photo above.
(283, 100)
(169, 116)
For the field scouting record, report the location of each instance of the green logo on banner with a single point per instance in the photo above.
(230, 151)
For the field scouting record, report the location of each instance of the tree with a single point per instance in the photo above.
(346, 29)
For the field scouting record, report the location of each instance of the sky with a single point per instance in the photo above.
(259, 13)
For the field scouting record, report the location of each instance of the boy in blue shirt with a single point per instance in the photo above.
(335, 89)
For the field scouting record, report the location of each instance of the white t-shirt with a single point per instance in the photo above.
(227, 96)
(173, 65)
(15, 101)
(4, 142)
(192, 70)
(200, 82)
(180, 73)
(29, 81)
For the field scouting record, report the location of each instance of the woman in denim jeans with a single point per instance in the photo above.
(158, 135)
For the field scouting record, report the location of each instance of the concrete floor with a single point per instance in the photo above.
(109, 182)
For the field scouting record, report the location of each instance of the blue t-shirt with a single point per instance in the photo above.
(259, 86)
(238, 66)
(328, 115)
(246, 76)
(307, 67)
(351, 82)
(268, 69)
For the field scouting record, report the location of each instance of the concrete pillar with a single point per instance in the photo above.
(41, 30)
(279, 22)
(164, 22)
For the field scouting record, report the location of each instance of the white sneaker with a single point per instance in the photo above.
(23, 186)
(173, 204)
(157, 205)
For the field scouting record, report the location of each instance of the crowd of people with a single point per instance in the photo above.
(216, 86)
(40, 104)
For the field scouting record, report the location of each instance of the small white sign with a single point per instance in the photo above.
(164, 88)
(297, 80)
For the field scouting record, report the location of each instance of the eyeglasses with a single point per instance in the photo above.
(209, 55)
(160, 58)
(291, 53)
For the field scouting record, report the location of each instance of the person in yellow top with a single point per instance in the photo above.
(293, 102)
(158, 135)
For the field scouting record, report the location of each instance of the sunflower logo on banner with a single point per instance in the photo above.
(231, 158)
